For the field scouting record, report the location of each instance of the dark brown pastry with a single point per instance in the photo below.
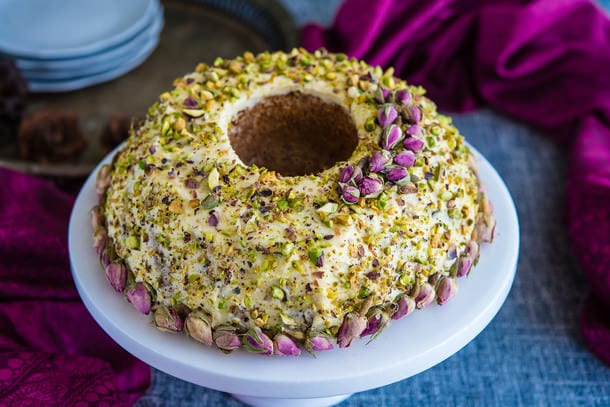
(116, 131)
(13, 94)
(51, 136)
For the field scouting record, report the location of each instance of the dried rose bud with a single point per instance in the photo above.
(353, 325)
(256, 341)
(226, 339)
(377, 321)
(350, 175)
(398, 175)
(97, 219)
(197, 327)
(415, 114)
(390, 137)
(468, 258)
(425, 296)
(100, 238)
(403, 96)
(413, 130)
(403, 306)
(486, 228)
(413, 144)
(167, 319)
(387, 115)
(318, 343)
(350, 194)
(285, 346)
(107, 255)
(446, 288)
(383, 95)
(116, 273)
(103, 180)
(405, 158)
(371, 186)
(378, 160)
(464, 263)
(140, 298)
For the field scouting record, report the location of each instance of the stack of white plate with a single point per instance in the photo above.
(63, 45)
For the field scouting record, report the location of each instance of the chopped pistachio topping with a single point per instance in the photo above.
(251, 248)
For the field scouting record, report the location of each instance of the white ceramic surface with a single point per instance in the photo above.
(68, 28)
(41, 86)
(93, 63)
(406, 348)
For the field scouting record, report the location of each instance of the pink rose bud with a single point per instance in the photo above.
(398, 175)
(371, 186)
(353, 325)
(468, 258)
(413, 130)
(413, 144)
(102, 182)
(100, 239)
(167, 319)
(140, 298)
(376, 323)
(403, 96)
(97, 219)
(318, 344)
(390, 137)
(197, 327)
(425, 296)
(387, 115)
(285, 346)
(415, 114)
(378, 160)
(350, 175)
(383, 95)
(350, 194)
(256, 341)
(226, 339)
(403, 307)
(116, 273)
(447, 288)
(405, 158)
(486, 228)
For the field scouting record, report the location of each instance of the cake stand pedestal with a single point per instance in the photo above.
(409, 346)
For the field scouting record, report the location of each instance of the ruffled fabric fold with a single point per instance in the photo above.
(51, 351)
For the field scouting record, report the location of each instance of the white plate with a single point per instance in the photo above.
(42, 86)
(407, 347)
(69, 28)
(115, 58)
(33, 67)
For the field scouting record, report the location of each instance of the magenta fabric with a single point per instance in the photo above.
(51, 351)
(545, 62)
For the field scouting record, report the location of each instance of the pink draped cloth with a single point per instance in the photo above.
(51, 351)
(545, 62)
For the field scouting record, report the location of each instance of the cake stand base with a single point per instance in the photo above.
(278, 402)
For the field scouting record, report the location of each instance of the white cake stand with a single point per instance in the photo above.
(407, 347)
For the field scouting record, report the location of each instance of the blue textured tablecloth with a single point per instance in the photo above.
(532, 353)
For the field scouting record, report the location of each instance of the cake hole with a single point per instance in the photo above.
(293, 134)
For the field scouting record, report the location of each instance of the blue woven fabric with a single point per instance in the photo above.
(532, 353)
